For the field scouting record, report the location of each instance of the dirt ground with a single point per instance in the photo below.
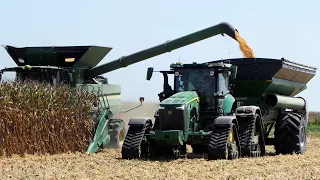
(108, 164)
(146, 110)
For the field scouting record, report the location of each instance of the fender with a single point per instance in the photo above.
(226, 121)
(139, 121)
(248, 111)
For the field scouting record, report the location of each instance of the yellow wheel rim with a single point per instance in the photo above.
(232, 140)
(231, 136)
(121, 136)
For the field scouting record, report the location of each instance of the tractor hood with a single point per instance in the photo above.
(181, 98)
(61, 56)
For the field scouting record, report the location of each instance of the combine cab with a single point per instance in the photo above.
(226, 109)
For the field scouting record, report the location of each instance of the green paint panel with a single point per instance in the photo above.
(171, 137)
(101, 136)
(198, 137)
(228, 103)
(110, 93)
(180, 98)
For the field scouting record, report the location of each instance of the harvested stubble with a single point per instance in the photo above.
(37, 118)
(109, 165)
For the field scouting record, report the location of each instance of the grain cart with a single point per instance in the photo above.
(226, 109)
(77, 66)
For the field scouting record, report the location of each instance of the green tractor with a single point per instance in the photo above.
(77, 67)
(226, 109)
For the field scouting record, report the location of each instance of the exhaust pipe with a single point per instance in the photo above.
(294, 103)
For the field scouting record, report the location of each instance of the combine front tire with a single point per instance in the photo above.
(117, 134)
(224, 143)
(290, 134)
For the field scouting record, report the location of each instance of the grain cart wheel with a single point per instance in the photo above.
(224, 143)
(290, 134)
(135, 145)
(117, 134)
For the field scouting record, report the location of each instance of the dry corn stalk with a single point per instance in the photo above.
(39, 118)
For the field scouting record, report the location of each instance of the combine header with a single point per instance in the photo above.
(77, 67)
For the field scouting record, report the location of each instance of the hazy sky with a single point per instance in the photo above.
(273, 29)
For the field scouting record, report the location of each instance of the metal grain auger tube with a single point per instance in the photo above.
(286, 102)
(77, 67)
(222, 28)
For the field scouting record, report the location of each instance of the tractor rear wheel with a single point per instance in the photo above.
(290, 134)
(117, 134)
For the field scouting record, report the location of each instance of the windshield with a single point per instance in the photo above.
(201, 80)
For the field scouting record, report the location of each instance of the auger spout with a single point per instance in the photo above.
(222, 28)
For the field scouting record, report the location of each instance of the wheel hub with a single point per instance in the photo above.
(302, 136)
(121, 136)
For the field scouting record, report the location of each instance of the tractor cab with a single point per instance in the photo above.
(211, 81)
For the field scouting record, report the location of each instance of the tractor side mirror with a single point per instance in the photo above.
(234, 72)
(70, 77)
(149, 73)
(141, 99)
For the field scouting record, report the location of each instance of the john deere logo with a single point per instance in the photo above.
(169, 113)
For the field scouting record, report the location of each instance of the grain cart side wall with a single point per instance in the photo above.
(259, 76)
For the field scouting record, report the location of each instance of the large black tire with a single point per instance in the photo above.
(117, 134)
(135, 144)
(290, 134)
(199, 148)
(220, 147)
(247, 127)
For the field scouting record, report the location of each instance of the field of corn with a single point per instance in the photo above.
(36, 119)
(45, 130)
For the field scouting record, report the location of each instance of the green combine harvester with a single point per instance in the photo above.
(226, 109)
(77, 67)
